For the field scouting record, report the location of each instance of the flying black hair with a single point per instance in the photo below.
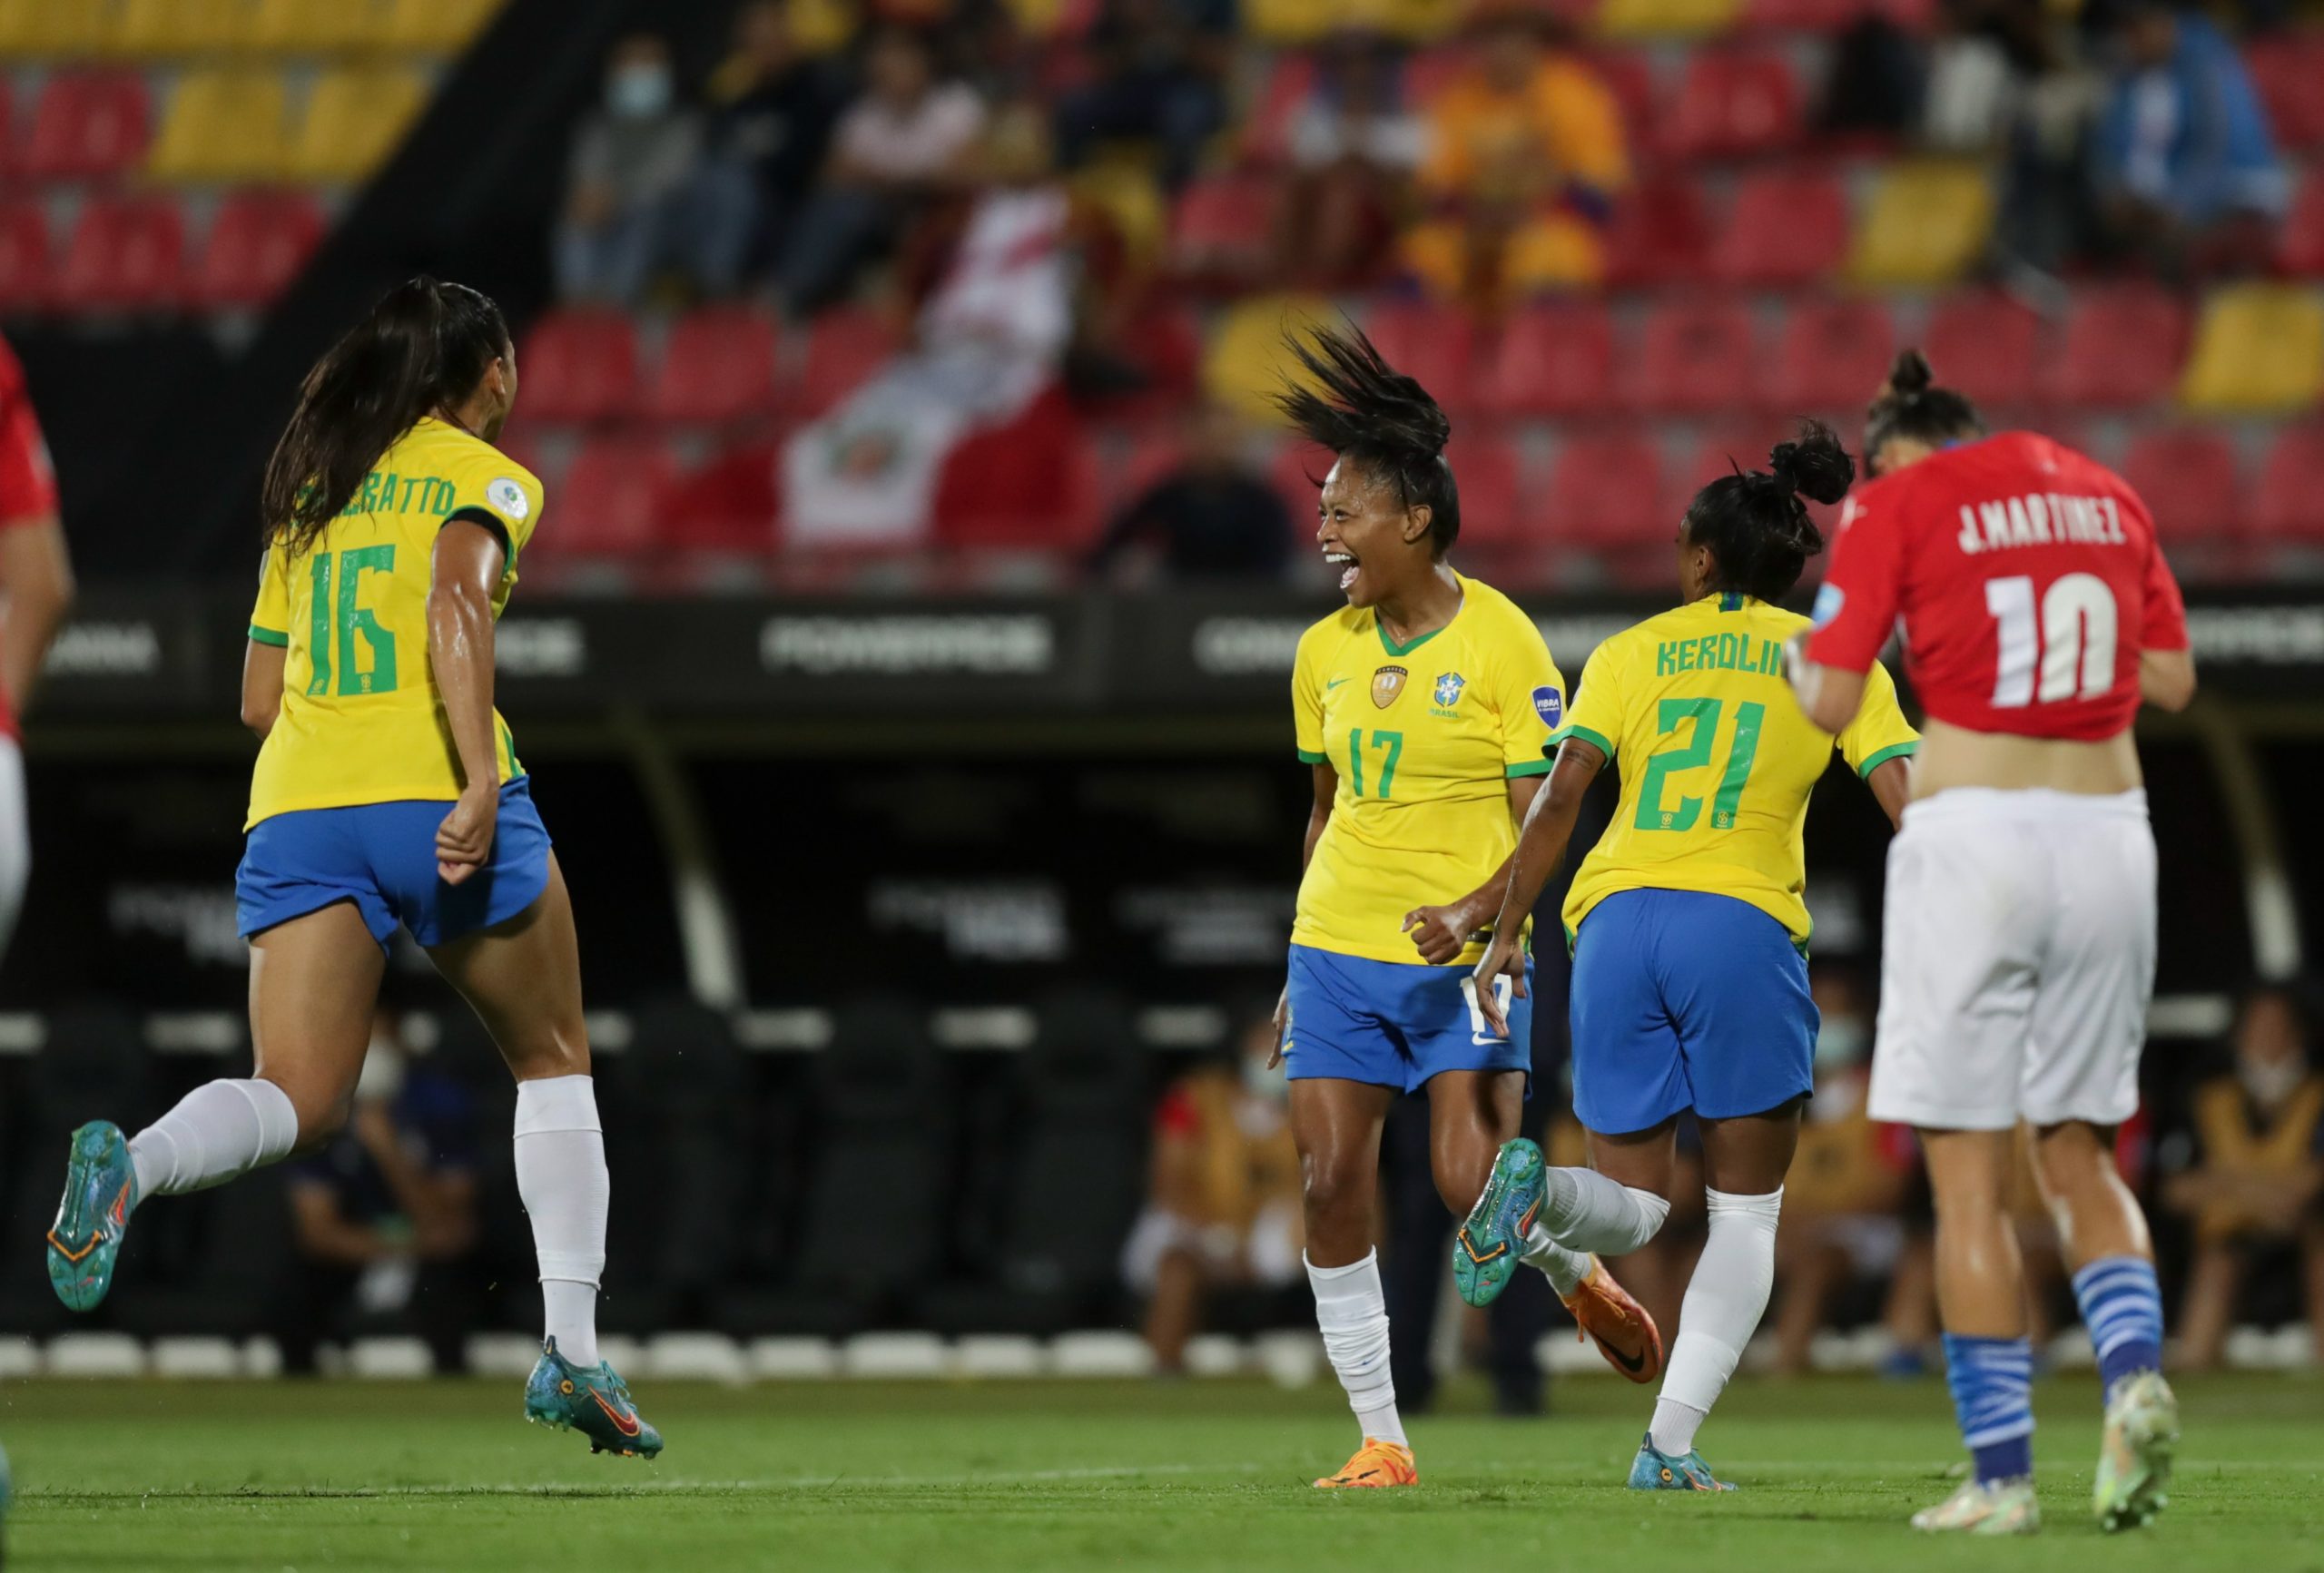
(1907, 406)
(1757, 529)
(1366, 410)
(424, 347)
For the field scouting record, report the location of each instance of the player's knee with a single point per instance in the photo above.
(322, 1109)
(1331, 1190)
(549, 1054)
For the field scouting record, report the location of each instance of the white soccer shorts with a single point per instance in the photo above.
(2018, 960)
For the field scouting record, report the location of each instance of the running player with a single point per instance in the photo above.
(2019, 946)
(1422, 708)
(1688, 933)
(387, 793)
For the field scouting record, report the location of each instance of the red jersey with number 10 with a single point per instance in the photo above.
(2027, 581)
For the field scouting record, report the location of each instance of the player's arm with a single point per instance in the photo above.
(1828, 696)
(37, 572)
(1855, 612)
(2167, 678)
(262, 663)
(1442, 933)
(469, 562)
(1319, 814)
(1540, 847)
(1890, 782)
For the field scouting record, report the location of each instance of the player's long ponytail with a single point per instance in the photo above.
(1909, 405)
(1759, 532)
(424, 347)
(1366, 410)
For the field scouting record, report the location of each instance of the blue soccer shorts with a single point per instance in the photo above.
(1396, 1024)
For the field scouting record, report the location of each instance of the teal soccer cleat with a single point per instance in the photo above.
(1654, 1471)
(594, 1402)
(1485, 1252)
(100, 1191)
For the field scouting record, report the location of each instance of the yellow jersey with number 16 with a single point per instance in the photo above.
(361, 722)
(1716, 758)
(1424, 737)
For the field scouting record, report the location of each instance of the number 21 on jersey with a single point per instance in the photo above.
(2065, 651)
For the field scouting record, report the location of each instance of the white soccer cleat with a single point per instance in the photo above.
(2003, 1507)
(2134, 1459)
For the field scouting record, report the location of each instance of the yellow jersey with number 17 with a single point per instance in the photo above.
(361, 722)
(1424, 737)
(1716, 758)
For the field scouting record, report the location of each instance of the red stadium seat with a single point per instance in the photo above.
(1733, 104)
(1696, 356)
(2187, 478)
(2123, 346)
(1549, 360)
(125, 254)
(728, 504)
(1605, 494)
(2300, 248)
(1221, 228)
(1831, 355)
(1430, 71)
(1267, 131)
(845, 348)
(1489, 473)
(719, 365)
(25, 272)
(1027, 484)
(1803, 16)
(2289, 502)
(579, 364)
(87, 124)
(1629, 76)
(1784, 230)
(257, 243)
(1984, 345)
(1722, 451)
(1659, 235)
(614, 499)
(1432, 343)
(2287, 69)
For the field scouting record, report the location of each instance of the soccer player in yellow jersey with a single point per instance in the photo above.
(1422, 709)
(387, 793)
(1688, 930)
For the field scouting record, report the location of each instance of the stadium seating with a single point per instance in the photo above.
(845, 348)
(354, 118)
(1926, 224)
(2285, 69)
(581, 365)
(224, 124)
(257, 243)
(1831, 355)
(1219, 231)
(50, 29)
(718, 366)
(1733, 104)
(1696, 356)
(1986, 345)
(2300, 248)
(2287, 503)
(125, 254)
(23, 256)
(88, 124)
(2188, 477)
(1653, 18)
(2122, 348)
(1786, 229)
(1551, 361)
(1494, 499)
(1247, 361)
(1430, 342)
(2259, 349)
(611, 502)
(1605, 493)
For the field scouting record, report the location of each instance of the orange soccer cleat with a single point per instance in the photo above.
(1376, 1463)
(1625, 1334)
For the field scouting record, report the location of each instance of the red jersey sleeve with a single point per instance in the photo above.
(2165, 623)
(1856, 610)
(27, 484)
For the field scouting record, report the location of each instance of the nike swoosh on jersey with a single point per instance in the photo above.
(1334, 682)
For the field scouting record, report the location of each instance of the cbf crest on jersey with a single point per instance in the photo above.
(1386, 683)
(1448, 689)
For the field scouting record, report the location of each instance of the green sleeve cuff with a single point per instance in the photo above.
(1307, 758)
(268, 637)
(1893, 750)
(1529, 767)
(1594, 739)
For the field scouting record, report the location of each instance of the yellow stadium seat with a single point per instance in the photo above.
(1247, 363)
(1652, 18)
(50, 28)
(435, 26)
(221, 125)
(1414, 21)
(1926, 223)
(142, 29)
(2258, 348)
(1125, 190)
(1289, 21)
(315, 27)
(354, 119)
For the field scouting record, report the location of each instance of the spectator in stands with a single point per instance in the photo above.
(1222, 1208)
(989, 341)
(1525, 154)
(1841, 1205)
(1213, 517)
(2187, 170)
(384, 1217)
(772, 109)
(1352, 150)
(912, 135)
(2253, 1191)
(633, 162)
(1161, 74)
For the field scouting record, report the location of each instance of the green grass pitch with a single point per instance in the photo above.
(958, 1478)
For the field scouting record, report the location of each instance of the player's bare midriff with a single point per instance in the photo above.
(1954, 756)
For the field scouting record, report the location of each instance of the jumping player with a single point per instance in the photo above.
(387, 793)
(2019, 948)
(1422, 708)
(1689, 932)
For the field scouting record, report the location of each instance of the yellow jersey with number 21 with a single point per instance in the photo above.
(361, 722)
(1716, 758)
(1424, 737)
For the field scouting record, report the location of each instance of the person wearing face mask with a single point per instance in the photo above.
(1223, 1204)
(2252, 1193)
(632, 161)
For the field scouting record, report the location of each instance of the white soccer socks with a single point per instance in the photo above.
(218, 1132)
(1353, 1314)
(1584, 1210)
(1725, 1300)
(561, 1177)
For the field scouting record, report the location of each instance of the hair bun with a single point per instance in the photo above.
(1909, 375)
(1815, 466)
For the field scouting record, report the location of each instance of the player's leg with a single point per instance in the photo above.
(314, 980)
(15, 841)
